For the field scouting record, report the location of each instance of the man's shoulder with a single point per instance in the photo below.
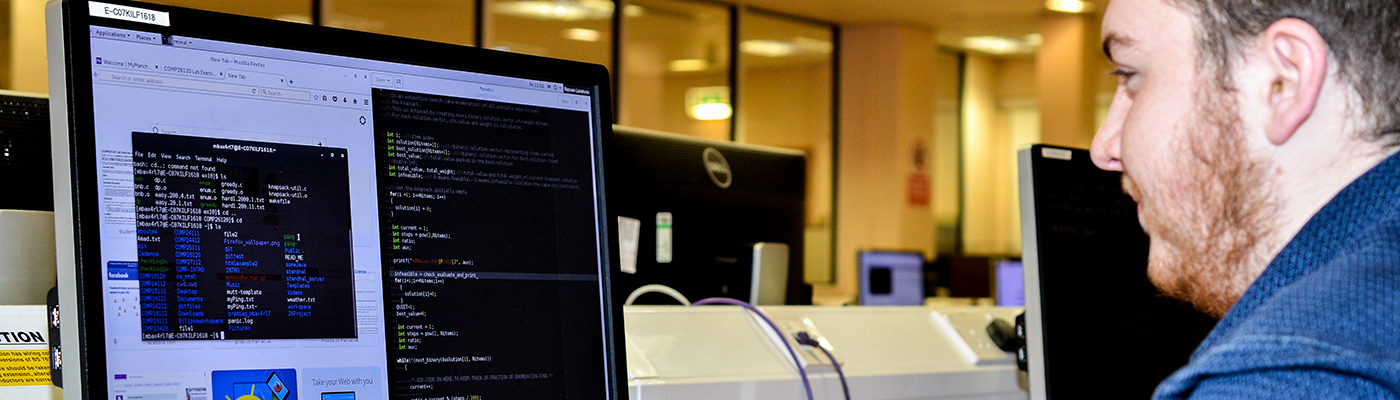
(1337, 325)
(1352, 300)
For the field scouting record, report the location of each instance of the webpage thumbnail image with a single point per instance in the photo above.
(255, 384)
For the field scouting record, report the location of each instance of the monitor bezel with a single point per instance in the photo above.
(75, 160)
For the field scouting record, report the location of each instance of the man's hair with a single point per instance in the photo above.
(1363, 36)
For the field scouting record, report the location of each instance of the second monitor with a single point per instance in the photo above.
(698, 215)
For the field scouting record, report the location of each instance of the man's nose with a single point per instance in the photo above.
(1107, 148)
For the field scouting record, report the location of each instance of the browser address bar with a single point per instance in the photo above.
(122, 77)
(180, 83)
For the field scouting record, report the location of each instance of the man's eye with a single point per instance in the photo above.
(1122, 74)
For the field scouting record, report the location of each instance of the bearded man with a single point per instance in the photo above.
(1258, 138)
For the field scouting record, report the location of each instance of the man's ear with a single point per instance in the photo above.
(1297, 55)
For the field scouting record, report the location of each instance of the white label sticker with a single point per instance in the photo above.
(126, 13)
(1058, 154)
(629, 233)
(663, 237)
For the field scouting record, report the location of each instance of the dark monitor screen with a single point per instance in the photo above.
(283, 211)
(1096, 326)
(698, 207)
(26, 170)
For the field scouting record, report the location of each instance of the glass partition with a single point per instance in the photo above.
(675, 68)
(579, 30)
(785, 100)
(449, 21)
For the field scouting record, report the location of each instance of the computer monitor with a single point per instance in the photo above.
(694, 211)
(970, 276)
(259, 208)
(891, 278)
(1095, 326)
(25, 168)
(1010, 283)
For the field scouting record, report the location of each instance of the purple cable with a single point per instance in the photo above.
(796, 361)
(805, 338)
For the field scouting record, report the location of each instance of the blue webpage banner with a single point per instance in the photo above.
(121, 270)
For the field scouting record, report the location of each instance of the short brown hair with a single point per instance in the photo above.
(1363, 36)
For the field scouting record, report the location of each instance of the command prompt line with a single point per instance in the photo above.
(242, 240)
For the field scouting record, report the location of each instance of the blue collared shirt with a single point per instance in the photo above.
(1323, 320)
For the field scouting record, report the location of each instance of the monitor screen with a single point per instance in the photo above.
(891, 278)
(26, 170)
(1094, 325)
(279, 211)
(1011, 283)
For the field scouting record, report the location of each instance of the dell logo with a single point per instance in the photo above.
(717, 167)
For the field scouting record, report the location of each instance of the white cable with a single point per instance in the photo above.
(655, 288)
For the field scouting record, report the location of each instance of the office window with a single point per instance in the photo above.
(675, 57)
(785, 100)
(450, 21)
(286, 10)
(579, 30)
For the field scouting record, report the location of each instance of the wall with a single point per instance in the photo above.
(982, 137)
(768, 95)
(26, 58)
(1070, 67)
(1009, 104)
(790, 106)
(887, 80)
(1000, 116)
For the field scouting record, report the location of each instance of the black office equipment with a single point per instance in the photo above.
(700, 206)
(25, 167)
(1095, 325)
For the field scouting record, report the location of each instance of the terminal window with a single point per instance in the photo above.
(242, 240)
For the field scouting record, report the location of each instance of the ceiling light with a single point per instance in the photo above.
(997, 45)
(688, 65)
(558, 10)
(583, 35)
(1069, 6)
(1033, 40)
(766, 48)
(812, 45)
